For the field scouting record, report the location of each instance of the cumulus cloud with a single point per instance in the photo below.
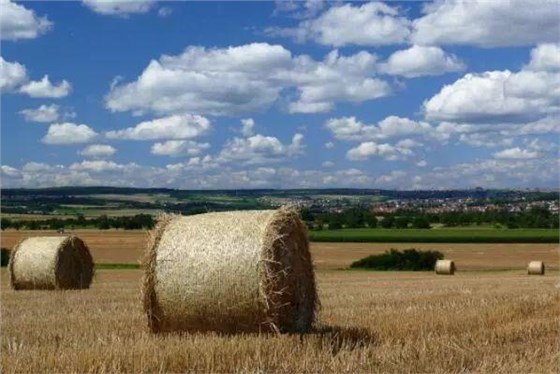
(247, 125)
(545, 57)
(487, 23)
(492, 173)
(121, 8)
(260, 149)
(98, 151)
(501, 95)
(370, 24)
(45, 89)
(68, 133)
(44, 113)
(176, 148)
(18, 22)
(185, 126)
(389, 152)
(12, 75)
(418, 61)
(349, 128)
(247, 78)
(516, 153)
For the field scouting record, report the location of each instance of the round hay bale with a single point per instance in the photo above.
(535, 268)
(245, 271)
(52, 262)
(445, 267)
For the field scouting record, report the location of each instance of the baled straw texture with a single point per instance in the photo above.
(247, 271)
(55, 262)
(445, 267)
(535, 268)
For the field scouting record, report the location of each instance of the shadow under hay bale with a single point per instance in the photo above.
(445, 267)
(245, 271)
(535, 268)
(47, 263)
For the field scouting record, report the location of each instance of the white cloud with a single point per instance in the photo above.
(97, 166)
(68, 133)
(12, 75)
(487, 23)
(418, 61)
(204, 173)
(370, 24)
(176, 148)
(485, 139)
(299, 9)
(44, 113)
(260, 149)
(422, 163)
(247, 126)
(164, 12)
(247, 78)
(45, 89)
(9, 172)
(18, 22)
(98, 151)
(349, 128)
(516, 153)
(121, 8)
(501, 96)
(387, 151)
(184, 126)
(327, 164)
(545, 57)
(329, 145)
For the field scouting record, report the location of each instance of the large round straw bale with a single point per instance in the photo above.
(246, 271)
(535, 268)
(445, 267)
(52, 262)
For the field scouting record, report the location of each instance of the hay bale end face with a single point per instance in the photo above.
(445, 267)
(55, 262)
(535, 268)
(245, 271)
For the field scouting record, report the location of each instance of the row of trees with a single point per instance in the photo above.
(361, 217)
(139, 221)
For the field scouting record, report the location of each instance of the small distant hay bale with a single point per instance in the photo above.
(445, 267)
(47, 263)
(535, 268)
(244, 271)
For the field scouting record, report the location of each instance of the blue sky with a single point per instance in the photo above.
(280, 94)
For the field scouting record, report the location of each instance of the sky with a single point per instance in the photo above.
(286, 94)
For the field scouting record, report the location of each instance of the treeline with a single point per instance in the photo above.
(139, 221)
(537, 217)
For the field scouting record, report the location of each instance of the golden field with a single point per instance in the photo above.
(484, 320)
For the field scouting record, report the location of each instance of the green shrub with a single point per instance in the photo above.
(4, 257)
(408, 259)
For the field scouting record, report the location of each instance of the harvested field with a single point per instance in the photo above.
(383, 322)
(113, 246)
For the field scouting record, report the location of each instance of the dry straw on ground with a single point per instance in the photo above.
(445, 267)
(59, 262)
(247, 271)
(535, 268)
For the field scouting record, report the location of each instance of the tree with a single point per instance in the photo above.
(371, 220)
(388, 222)
(103, 223)
(354, 218)
(421, 223)
(402, 222)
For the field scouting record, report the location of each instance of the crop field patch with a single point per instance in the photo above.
(380, 322)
